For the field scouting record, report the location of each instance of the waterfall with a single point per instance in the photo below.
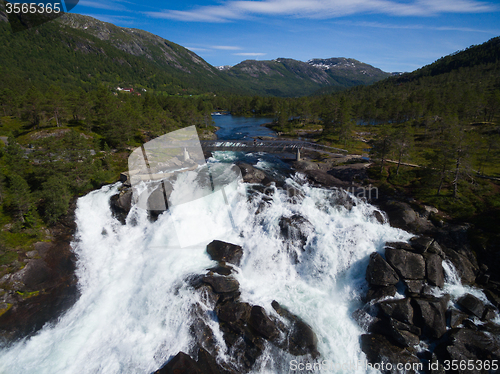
(135, 307)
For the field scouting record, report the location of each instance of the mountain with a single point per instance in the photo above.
(483, 57)
(288, 77)
(80, 51)
(350, 69)
(77, 50)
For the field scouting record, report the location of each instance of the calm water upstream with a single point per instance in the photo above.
(235, 127)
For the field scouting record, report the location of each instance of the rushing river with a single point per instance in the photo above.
(134, 310)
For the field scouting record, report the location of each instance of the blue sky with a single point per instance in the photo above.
(394, 35)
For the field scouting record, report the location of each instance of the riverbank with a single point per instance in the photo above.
(45, 285)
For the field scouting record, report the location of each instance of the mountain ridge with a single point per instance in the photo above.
(170, 67)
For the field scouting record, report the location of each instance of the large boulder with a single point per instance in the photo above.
(402, 216)
(380, 292)
(227, 252)
(421, 243)
(400, 310)
(430, 315)
(434, 269)
(456, 317)
(379, 349)
(251, 174)
(33, 274)
(295, 230)
(379, 272)
(180, 364)
(472, 305)
(466, 270)
(121, 204)
(221, 284)
(301, 339)
(262, 324)
(233, 311)
(463, 345)
(414, 287)
(407, 264)
(321, 178)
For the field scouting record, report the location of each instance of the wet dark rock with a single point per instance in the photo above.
(414, 287)
(180, 364)
(321, 178)
(301, 339)
(435, 366)
(466, 344)
(250, 174)
(402, 334)
(262, 324)
(404, 338)
(380, 292)
(227, 252)
(465, 268)
(379, 348)
(294, 195)
(493, 297)
(295, 230)
(472, 305)
(434, 269)
(207, 363)
(436, 249)
(408, 265)
(379, 217)
(364, 319)
(489, 313)
(456, 317)
(202, 333)
(221, 284)
(207, 294)
(221, 269)
(491, 328)
(234, 311)
(399, 245)
(430, 315)
(400, 310)
(121, 204)
(304, 165)
(402, 215)
(421, 243)
(405, 327)
(379, 272)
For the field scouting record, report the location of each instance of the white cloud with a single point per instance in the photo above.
(416, 27)
(197, 49)
(226, 47)
(240, 9)
(250, 54)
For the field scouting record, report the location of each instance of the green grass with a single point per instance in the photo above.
(8, 258)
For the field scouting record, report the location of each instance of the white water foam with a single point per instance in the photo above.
(134, 309)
